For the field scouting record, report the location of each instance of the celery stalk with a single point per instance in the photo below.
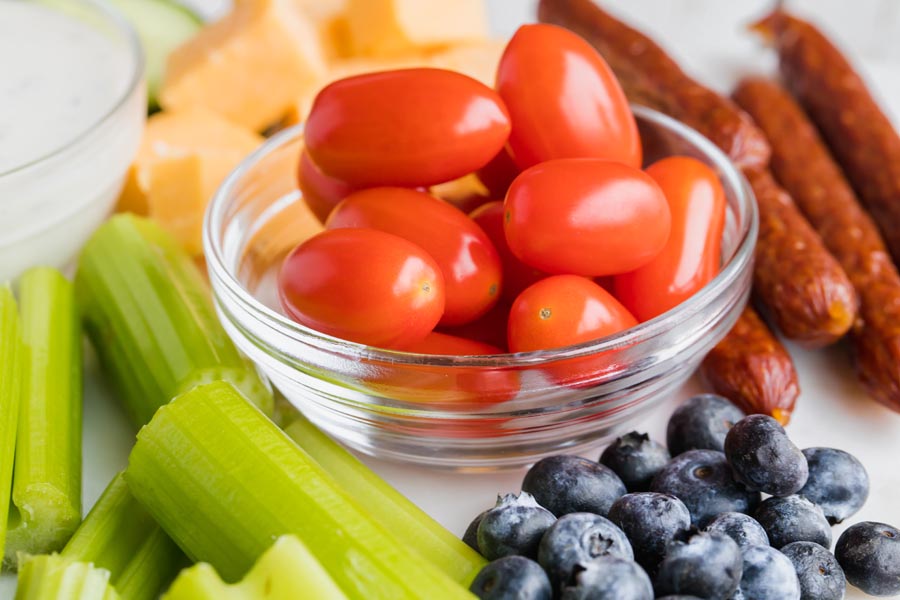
(46, 492)
(409, 523)
(286, 571)
(52, 577)
(224, 481)
(11, 355)
(148, 313)
(120, 536)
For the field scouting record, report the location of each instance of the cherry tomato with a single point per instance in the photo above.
(332, 284)
(690, 258)
(585, 216)
(451, 345)
(489, 328)
(563, 310)
(410, 127)
(499, 173)
(564, 100)
(516, 275)
(320, 191)
(461, 249)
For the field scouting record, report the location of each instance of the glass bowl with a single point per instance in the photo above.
(66, 180)
(462, 412)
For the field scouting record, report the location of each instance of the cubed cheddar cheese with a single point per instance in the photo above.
(183, 158)
(394, 27)
(248, 67)
(478, 60)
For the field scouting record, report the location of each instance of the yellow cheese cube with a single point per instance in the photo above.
(478, 60)
(249, 66)
(176, 197)
(391, 27)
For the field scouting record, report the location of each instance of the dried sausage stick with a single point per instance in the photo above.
(802, 164)
(857, 131)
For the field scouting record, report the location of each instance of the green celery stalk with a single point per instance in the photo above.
(409, 523)
(286, 571)
(52, 577)
(224, 481)
(46, 492)
(11, 357)
(147, 310)
(120, 536)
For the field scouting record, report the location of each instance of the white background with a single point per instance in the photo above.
(708, 37)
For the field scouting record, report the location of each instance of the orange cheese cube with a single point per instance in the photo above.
(478, 60)
(247, 67)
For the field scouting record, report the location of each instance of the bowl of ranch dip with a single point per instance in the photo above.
(72, 108)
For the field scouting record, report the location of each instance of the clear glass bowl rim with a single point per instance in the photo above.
(742, 258)
(136, 51)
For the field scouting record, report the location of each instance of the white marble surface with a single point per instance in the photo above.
(708, 37)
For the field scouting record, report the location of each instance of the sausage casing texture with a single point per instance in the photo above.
(859, 134)
(803, 165)
(751, 368)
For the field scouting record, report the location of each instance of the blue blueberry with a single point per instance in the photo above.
(743, 529)
(768, 575)
(470, 537)
(701, 423)
(512, 578)
(514, 526)
(609, 578)
(678, 597)
(650, 521)
(793, 519)
(577, 538)
(837, 482)
(568, 484)
(819, 573)
(869, 553)
(764, 458)
(706, 565)
(636, 459)
(702, 480)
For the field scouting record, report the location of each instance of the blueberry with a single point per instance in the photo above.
(702, 480)
(869, 553)
(743, 529)
(706, 565)
(512, 578)
(837, 482)
(793, 519)
(701, 423)
(514, 526)
(768, 575)
(820, 574)
(609, 578)
(577, 538)
(678, 597)
(650, 521)
(764, 458)
(636, 459)
(568, 484)
(470, 537)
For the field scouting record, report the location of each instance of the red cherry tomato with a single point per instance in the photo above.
(410, 127)
(563, 310)
(516, 275)
(586, 217)
(498, 174)
(320, 191)
(451, 345)
(564, 100)
(464, 253)
(489, 328)
(690, 258)
(332, 283)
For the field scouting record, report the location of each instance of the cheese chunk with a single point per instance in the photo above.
(478, 60)
(182, 160)
(391, 27)
(248, 67)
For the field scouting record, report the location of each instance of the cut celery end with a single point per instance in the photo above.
(46, 491)
(406, 521)
(11, 358)
(286, 571)
(120, 536)
(53, 577)
(224, 481)
(148, 312)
